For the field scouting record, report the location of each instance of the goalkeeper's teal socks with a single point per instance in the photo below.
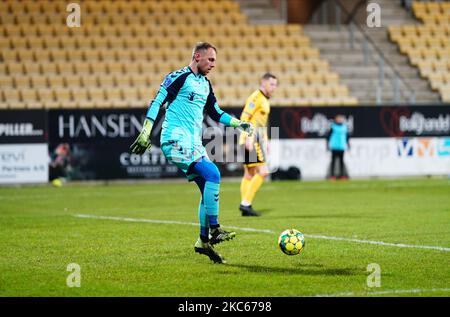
(208, 181)
(211, 202)
(208, 209)
(204, 222)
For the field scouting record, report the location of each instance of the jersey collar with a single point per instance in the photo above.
(264, 94)
(196, 75)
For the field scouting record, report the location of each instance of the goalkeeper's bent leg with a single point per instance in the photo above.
(211, 175)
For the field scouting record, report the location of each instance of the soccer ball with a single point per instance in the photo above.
(291, 241)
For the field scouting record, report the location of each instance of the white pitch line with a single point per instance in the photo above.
(399, 245)
(313, 236)
(386, 292)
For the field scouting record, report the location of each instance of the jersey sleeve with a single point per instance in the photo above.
(249, 110)
(167, 92)
(156, 103)
(213, 109)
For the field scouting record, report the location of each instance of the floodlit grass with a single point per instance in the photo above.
(41, 234)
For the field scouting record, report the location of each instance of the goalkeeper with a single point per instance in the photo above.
(187, 93)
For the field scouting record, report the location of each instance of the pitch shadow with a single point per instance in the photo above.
(303, 269)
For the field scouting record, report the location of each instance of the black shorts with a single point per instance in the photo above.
(254, 157)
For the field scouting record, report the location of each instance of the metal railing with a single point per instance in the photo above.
(401, 90)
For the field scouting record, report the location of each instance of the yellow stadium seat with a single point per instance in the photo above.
(80, 96)
(314, 78)
(58, 55)
(6, 82)
(35, 43)
(311, 53)
(29, 97)
(146, 94)
(12, 30)
(22, 81)
(84, 68)
(90, 55)
(443, 54)
(131, 97)
(331, 78)
(325, 91)
(89, 81)
(409, 30)
(14, 68)
(42, 56)
(108, 80)
(19, 43)
(432, 7)
(308, 92)
(115, 97)
(293, 29)
(25, 55)
(395, 32)
(305, 66)
(56, 81)
(11, 95)
(115, 68)
(63, 94)
(321, 65)
(9, 56)
(350, 101)
(98, 97)
(340, 91)
(45, 96)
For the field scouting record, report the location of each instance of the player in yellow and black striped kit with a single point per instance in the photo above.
(256, 111)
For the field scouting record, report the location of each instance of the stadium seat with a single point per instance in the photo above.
(114, 43)
(426, 44)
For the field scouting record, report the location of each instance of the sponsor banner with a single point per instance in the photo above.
(94, 144)
(96, 124)
(293, 122)
(362, 122)
(105, 160)
(23, 163)
(98, 140)
(113, 125)
(23, 126)
(408, 156)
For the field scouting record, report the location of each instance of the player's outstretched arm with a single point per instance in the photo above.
(221, 116)
(143, 141)
(217, 114)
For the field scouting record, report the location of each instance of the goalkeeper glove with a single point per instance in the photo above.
(242, 125)
(143, 141)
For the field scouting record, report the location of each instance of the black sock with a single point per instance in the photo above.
(204, 239)
(214, 226)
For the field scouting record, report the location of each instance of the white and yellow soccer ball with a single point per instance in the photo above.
(291, 241)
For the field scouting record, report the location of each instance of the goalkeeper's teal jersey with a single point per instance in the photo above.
(187, 96)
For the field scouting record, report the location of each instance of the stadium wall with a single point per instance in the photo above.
(83, 144)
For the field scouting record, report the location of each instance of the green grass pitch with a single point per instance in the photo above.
(130, 255)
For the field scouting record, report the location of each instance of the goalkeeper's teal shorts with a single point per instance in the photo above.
(183, 156)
